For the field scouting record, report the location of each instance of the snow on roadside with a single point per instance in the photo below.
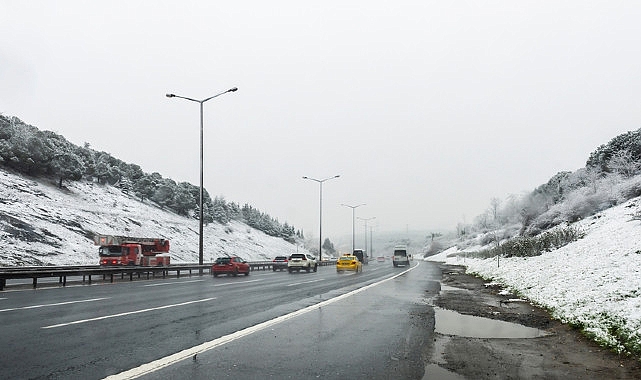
(594, 282)
(41, 224)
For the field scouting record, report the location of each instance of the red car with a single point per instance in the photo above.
(230, 265)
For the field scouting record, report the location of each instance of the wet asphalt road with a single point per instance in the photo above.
(91, 332)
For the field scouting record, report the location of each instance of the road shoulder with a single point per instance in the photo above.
(564, 353)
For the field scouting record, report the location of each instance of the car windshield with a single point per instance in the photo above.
(280, 258)
(302, 257)
(223, 260)
(347, 258)
(400, 253)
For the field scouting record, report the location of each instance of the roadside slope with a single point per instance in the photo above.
(41, 224)
(593, 283)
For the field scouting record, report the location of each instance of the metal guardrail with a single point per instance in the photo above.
(62, 272)
(87, 272)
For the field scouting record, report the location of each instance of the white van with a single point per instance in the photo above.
(400, 256)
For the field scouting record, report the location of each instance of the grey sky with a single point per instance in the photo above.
(427, 109)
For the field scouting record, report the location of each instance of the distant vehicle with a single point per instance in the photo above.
(362, 255)
(400, 256)
(279, 263)
(298, 261)
(380, 259)
(126, 250)
(233, 265)
(349, 263)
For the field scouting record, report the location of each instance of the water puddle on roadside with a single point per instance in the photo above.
(449, 322)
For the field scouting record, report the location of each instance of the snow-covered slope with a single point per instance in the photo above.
(41, 224)
(594, 282)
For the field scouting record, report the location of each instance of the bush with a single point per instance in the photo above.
(523, 246)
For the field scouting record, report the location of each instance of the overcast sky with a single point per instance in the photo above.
(426, 109)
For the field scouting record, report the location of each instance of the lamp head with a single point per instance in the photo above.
(233, 89)
(170, 95)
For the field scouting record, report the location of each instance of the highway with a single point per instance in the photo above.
(265, 325)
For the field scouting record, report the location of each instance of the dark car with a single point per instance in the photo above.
(279, 263)
(230, 265)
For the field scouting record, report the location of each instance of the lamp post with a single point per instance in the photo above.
(366, 220)
(200, 212)
(320, 213)
(353, 220)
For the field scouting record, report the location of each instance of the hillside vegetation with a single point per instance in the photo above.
(44, 154)
(518, 225)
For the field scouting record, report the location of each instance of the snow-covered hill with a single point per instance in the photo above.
(594, 282)
(41, 224)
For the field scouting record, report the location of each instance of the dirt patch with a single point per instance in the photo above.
(563, 354)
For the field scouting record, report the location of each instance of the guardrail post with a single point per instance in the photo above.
(131, 276)
(64, 280)
(3, 283)
(178, 273)
(112, 277)
(35, 282)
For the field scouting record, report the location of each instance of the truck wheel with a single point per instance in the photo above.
(247, 273)
(215, 274)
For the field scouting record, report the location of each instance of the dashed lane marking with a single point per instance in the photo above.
(127, 313)
(53, 304)
(174, 283)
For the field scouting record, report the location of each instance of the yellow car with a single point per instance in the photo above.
(348, 262)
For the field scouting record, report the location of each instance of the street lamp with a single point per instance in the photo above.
(320, 213)
(200, 212)
(366, 220)
(353, 215)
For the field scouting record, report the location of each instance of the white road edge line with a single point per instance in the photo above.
(126, 313)
(154, 366)
(53, 304)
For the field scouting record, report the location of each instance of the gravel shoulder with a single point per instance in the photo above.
(563, 354)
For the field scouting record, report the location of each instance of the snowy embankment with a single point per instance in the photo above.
(41, 224)
(593, 283)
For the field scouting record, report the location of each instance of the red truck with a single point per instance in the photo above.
(127, 250)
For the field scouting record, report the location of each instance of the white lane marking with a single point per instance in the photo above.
(53, 304)
(174, 283)
(150, 367)
(3, 298)
(126, 313)
(305, 282)
(236, 283)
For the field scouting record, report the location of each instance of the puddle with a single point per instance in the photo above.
(449, 322)
(447, 287)
(433, 371)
